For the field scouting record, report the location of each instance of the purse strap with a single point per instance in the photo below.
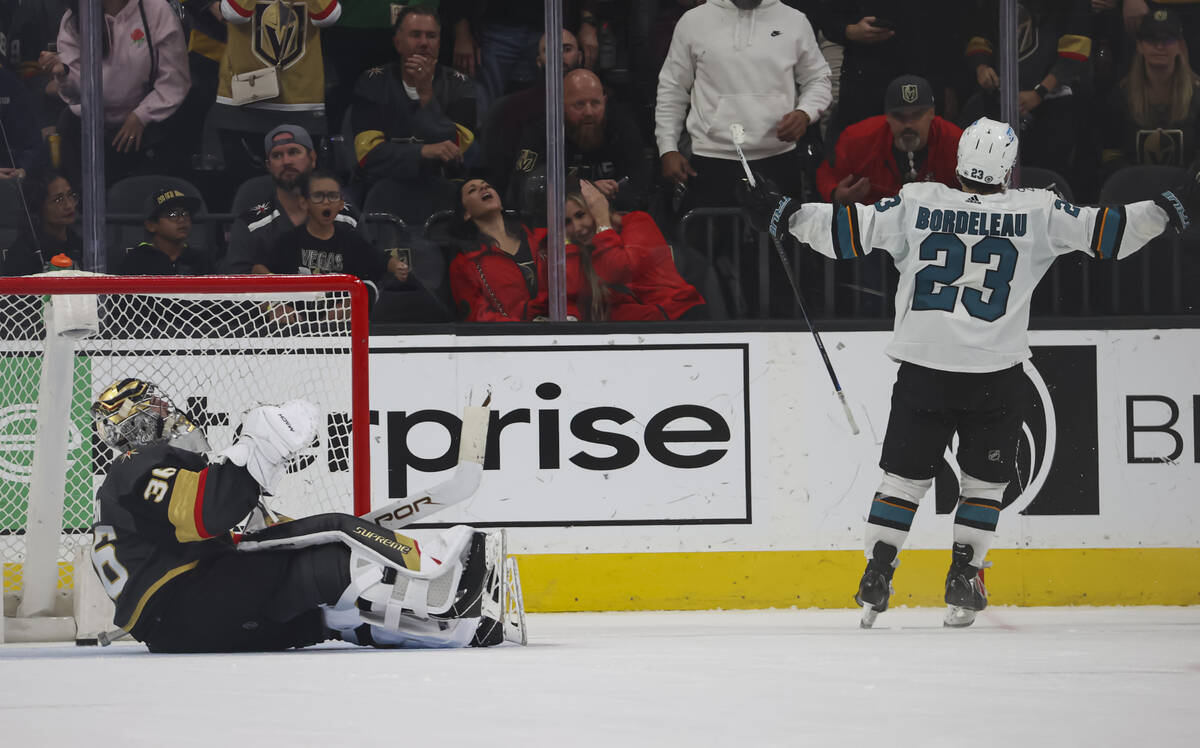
(150, 47)
(488, 288)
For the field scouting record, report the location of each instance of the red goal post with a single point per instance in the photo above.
(216, 345)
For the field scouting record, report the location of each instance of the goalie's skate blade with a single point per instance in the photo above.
(958, 617)
(514, 604)
(869, 615)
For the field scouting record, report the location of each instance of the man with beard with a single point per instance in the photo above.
(508, 118)
(290, 158)
(878, 155)
(603, 145)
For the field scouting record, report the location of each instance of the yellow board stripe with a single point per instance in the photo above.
(137, 612)
(181, 510)
(828, 579)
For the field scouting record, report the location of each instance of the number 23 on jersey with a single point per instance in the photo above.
(935, 287)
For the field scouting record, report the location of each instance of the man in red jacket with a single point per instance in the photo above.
(878, 155)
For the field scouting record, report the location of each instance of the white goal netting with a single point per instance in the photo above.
(216, 346)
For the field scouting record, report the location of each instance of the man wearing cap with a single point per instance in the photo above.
(169, 223)
(290, 159)
(877, 156)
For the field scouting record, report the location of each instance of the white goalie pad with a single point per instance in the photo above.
(387, 585)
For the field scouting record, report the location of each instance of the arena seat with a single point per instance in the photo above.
(1032, 176)
(1149, 282)
(12, 212)
(401, 302)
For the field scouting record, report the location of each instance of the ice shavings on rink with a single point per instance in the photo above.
(1020, 677)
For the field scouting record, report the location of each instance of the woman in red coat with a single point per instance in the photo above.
(495, 277)
(651, 288)
(590, 273)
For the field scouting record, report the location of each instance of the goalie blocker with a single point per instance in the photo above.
(165, 554)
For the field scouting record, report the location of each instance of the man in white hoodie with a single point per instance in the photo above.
(753, 62)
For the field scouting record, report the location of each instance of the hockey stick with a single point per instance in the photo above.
(461, 485)
(739, 136)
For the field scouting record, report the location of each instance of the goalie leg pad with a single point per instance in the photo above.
(437, 581)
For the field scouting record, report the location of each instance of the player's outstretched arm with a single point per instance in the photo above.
(766, 208)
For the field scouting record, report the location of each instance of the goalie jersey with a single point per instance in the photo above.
(969, 263)
(163, 511)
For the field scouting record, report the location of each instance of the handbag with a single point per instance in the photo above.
(255, 85)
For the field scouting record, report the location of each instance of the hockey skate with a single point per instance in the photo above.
(875, 588)
(503, 608)
(965, 593)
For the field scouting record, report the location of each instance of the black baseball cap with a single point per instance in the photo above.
(165, 198)
(908, 92)
(1160, 24)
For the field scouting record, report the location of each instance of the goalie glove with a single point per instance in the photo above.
(272, 435)
(1182, 201)
(766, 208)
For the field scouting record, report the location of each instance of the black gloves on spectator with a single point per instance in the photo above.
(765, 207)
(1182, 201)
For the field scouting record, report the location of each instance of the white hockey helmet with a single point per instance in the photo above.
(987, 151)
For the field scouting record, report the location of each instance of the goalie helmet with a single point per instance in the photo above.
(133, 413)
(987, 151)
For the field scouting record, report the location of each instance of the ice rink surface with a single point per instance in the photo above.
(1020, 677)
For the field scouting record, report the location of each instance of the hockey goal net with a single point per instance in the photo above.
(217, 346)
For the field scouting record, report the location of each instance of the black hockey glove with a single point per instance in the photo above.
(1182, 201)
(766, 208)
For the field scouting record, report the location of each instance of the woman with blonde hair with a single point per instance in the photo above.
(597, 272)
(1153, 114)
(651, 287)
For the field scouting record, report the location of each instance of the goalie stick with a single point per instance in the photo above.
(739, 136)
(461, 485)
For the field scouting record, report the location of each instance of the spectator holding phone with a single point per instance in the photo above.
(880, 37)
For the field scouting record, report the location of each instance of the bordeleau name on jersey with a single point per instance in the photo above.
(972, 222)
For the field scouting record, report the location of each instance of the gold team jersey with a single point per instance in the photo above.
(283, 35)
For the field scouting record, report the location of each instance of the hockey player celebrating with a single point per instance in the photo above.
(164, 551)
(969, 260)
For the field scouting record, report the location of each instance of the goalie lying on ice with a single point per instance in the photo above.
(164, 550)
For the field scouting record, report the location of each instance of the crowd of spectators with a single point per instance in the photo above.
(305, 125)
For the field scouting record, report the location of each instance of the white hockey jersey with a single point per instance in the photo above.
(969, 263)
